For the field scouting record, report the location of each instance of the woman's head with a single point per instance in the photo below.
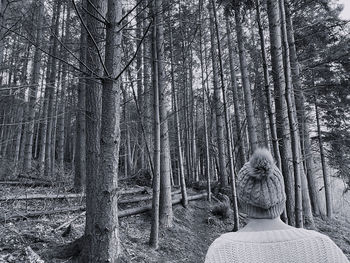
(260, 187)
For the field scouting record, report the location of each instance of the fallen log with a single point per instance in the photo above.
(40, 196)
(141, 198)
(41, 213)
(62, 196)
(121, 213)
(29, 184)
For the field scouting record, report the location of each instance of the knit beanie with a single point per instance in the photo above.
(260, 187)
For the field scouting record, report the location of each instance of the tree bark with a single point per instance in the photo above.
(292, 122)
(62, 104)
(154, 235)
(205, 125)
(268, 95)
(253, 141)
(93, 131)
(165, 207)
(234, 87)
(218, 105)
(80, 158)
(282, 123)
(228, 128)
(105, 244)
(326, 181)
(177, 126)
(301, 114)
(30, 112)
(50, 88)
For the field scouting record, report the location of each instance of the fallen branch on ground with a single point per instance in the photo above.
(121, 213)
(141, 198)
(62, 196)
(29, 183)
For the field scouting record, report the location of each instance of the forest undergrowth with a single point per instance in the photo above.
(194, 229)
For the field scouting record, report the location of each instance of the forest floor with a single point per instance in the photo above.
(194, 229)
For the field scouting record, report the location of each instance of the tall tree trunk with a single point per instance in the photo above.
(34, 83)
(140, 94)
(205, 126)
(228, 129)
(93, 130)
(154, 235)
(218, 105)
(253, 141)
(182, 182)
(301, 113)
(80, 158)
(326, 181)
(268, 95)
(105, 244)
(165, 206)
(62, 104)
(297, 163)
(282, 123)
(50, 88)
(234, 87)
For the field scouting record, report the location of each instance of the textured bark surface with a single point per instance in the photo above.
(234, 86)
(177, 126)
(293, 122)
(154, 235)
(326, 181)
(268, 95)
(283, 128)
(218, 105)
(80, 156)
(227, 126)
(253, 141)
(30, 111)
(93, 129)
(301, 114)
(105, 241)
(51, 89)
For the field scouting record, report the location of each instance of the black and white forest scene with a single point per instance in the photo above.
(158, 131)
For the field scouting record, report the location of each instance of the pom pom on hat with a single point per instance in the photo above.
(262, 164)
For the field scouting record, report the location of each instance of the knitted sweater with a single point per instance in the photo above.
(275, 246)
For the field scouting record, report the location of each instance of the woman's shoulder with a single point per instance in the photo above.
(270, 236)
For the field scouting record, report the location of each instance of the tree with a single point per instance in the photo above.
(30, 111)
(154, 235)
(80, 158)
(218, 104)
(282, 122)
(253, 141)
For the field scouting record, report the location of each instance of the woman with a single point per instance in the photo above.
(266, 238)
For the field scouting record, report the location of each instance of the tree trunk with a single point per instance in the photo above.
(297, 163)
(205, 126)
(234, 86)
(80, 158)
(301, 113)
(93, 132)
(327, 186)
(30, 112)
(218, 105)
(268, 95)
(165, 207)
(154, 235)
(228, 129)
(50, 88)
(177, 126)
(105, 244)
(282, 123)
(253, 141)
(61, 106)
